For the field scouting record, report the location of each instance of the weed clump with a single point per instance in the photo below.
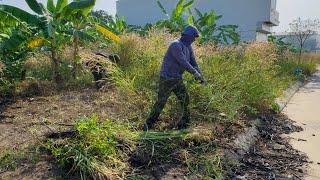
(99, 150)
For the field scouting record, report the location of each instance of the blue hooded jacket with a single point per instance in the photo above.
(180, 57)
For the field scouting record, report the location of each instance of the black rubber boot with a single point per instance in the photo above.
(149, 124)
(183, 124)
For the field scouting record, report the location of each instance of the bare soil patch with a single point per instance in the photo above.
(272, 157)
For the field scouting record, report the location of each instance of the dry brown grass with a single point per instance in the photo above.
(37, 60)
(2, 68)
(33, 87)
(311, 57)
(262, 51)
(265, 52)
(134, 46)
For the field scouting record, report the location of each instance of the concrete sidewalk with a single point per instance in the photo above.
(304, 108)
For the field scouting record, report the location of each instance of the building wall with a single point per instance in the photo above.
(249, 15)
(141, 12)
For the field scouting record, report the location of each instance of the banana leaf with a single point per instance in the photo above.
(61, 4)
(188, 5)
(35, 6)
(190, 18)
(177, 11)
(108, 33)
(14, 42)
(82, 6)
(20, 15)
(211, 19)
(162, 8)
(51, 7)
(35, 42)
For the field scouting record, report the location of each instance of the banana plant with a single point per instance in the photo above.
(12, 49)
(205, 22)
(117, 24)
(176, 21)
(44, 23)
(210, 31)
(50, 22)
(81, 25)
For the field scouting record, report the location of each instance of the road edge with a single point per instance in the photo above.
(244, 141)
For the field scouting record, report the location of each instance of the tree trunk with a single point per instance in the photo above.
(75, 57)
(57, 76)
(300, 54)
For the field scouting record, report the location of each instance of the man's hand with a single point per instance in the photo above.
(199, 77)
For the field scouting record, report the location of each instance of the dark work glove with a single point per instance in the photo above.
(199, 77)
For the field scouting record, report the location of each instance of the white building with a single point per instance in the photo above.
(255, 18)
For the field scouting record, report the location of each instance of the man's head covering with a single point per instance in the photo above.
(191, 31)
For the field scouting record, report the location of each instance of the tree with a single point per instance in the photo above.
(301, 30)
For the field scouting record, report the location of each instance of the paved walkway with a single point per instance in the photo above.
(304, 108)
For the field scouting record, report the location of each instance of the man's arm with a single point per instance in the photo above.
(176, 51)
(193, 61)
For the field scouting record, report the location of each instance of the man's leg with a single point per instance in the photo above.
(183, 97)
(165, 88)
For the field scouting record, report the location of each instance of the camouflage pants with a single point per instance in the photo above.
(166, 87)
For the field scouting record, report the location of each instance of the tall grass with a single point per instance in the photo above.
(290, 62)
(240, 79)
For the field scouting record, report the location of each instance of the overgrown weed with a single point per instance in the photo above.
(99, 150)
(241, 80)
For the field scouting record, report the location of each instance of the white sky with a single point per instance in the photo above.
(288, 9)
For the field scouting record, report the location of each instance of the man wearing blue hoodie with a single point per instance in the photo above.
(178, 58)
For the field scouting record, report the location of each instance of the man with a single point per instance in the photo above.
(178, 58)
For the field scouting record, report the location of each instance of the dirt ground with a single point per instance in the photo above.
(25, 122)
(272, 157)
